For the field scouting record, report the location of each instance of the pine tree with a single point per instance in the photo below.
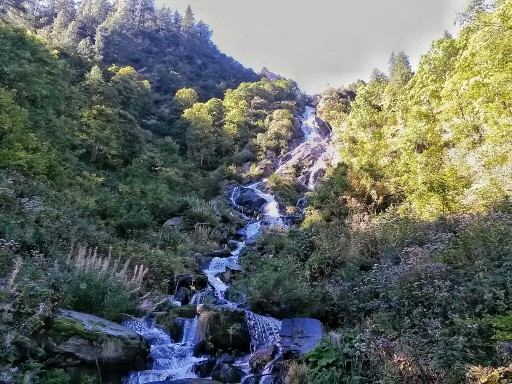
(188, 21)
(400, 71)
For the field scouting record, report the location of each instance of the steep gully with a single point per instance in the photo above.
(171, 359)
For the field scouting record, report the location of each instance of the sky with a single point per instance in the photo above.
(322, 43)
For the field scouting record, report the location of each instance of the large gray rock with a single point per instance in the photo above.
(225, 329)
(80, 339)
(300, 334)
(249, 199)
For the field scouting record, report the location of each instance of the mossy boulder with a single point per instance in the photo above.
(77, 339)
(234, 296)
(224, 328)
(186, 311)
(189, 281)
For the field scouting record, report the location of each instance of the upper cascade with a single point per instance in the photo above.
(309, 160)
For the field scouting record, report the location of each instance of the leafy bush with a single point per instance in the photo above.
(338, 359)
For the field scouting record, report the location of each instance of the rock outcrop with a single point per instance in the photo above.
(224, 329)
(301, 334)
(81, 340)
(249, 199)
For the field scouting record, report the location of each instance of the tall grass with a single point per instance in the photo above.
(102, 285)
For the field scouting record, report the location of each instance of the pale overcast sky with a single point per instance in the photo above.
(323, 43)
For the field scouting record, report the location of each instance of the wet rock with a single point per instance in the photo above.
(225, 328)
(232, 245)
(232, 270)
(83, 340)
(177, 328)
(205, 368)
(324, 126)
(203, 347)
(182, 295)
(226, 358)
(301, 334)
(262, 356)
(227, 373)
(189, 281)
(249, 199)
(206, 297)
(186, 311)
(222, 254)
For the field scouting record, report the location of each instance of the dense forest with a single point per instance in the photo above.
(116, 117)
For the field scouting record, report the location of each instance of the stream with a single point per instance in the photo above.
(172, 359)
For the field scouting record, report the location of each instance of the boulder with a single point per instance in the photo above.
(232, 245)
(227, 373)
(177, 328)
(226, 358)
(234, 296)
(301, 334)
(241, 233)
(262, 356)
(249, 199)
(189, 281)
(77, 339)
(205, 368)
(182, 295)
(325, 127)
(224, 328)
(186, 311)
(231, 270)
(173, 222)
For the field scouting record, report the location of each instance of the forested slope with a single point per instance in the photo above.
(94, 158)
(406, 249)
(116, 118)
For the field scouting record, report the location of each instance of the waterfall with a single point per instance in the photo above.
(169, 360)
(264, 330)
(190, 335)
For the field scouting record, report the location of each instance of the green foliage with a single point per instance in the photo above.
(285, 187)
(256, 115)
(336, 360)
(56, 376)
(270, 282)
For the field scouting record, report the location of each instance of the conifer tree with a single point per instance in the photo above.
(188, 21)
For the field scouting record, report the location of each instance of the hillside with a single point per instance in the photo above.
(145, 173)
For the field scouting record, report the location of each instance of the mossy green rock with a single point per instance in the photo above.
(80, 339)
(225, 328)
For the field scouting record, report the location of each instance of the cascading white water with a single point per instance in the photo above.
(317, 149)
(171, 360)
(264, 330)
